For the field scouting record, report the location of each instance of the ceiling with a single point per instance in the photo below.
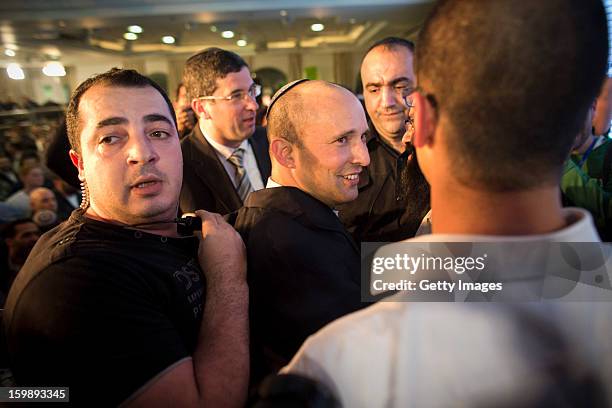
(58, 28)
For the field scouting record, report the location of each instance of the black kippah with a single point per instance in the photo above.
(283, 91)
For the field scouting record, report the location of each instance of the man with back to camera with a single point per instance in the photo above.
(226, 156)
(471, 135)
(304, 268)
(393, 193)
(113, 303)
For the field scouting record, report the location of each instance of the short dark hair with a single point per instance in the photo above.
(513, 82)
(204, 68)
(10, 229)
(391, 43)
(115, 77)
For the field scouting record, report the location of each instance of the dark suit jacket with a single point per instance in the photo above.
(303, 268)
(206, 184)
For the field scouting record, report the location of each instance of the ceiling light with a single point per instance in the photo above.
(9, 53)
(130, 36)
(227, 34)
(136, 29)
(168, 39)
(241, 43)
(317, 27)
(54, 69)
(14, 71)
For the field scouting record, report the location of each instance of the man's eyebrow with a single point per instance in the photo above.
(156, 117)
(401, 79)
(391, 83)
(116, 120)
(242, 89)
(344, 134)
(369, 84)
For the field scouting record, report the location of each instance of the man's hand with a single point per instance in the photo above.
(222, 254)
(217, 375)
(185, 120)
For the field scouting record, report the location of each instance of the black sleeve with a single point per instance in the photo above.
(99, 328)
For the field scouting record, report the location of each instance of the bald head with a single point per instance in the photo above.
(42, 198)
(306, 102)
(317, 136)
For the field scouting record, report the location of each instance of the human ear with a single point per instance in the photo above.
(283, 153)
(199, 107)
(78, 163)
(425, 121)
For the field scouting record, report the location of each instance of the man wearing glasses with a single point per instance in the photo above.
(393, 194)
(226, 156)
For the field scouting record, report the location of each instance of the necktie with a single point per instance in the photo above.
(243, 184)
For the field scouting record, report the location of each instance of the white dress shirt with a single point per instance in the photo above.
(250, 163)
(398, 354)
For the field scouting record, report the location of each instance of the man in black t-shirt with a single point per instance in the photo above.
(114, 303)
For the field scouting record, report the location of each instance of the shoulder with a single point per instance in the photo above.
(389, 342)
(187, 142)
(195, 147)
(395, 320)
(260, 222)
(260, 135)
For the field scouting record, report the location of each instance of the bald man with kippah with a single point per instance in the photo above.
(303, 266)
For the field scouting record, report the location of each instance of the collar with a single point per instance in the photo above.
(579, 228)
(297, 204)
(224, 151)
(272, 184)
(375, 139)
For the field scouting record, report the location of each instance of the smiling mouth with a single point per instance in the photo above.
(145, 184)
(351, 177)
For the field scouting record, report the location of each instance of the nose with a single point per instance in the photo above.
(388, 96)
(251, 103)
(360, 153)
(141, 150)
(407, 138)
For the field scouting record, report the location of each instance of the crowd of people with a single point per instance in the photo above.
(485, 131)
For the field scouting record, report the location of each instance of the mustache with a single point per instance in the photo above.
(147, 170)
(389, 111)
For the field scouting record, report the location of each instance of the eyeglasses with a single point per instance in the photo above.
(240, 95)
(407, 96)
